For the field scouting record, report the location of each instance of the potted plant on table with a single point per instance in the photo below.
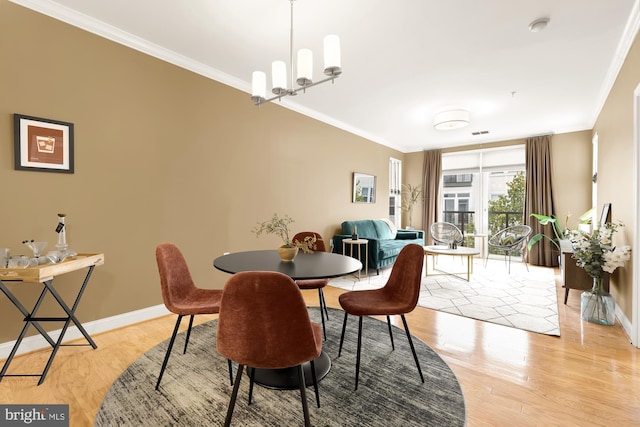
(280, 227)
(595, 253)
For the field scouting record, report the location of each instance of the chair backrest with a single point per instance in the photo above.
(319, 245)
(264, 322)
(175, 279)
(445, 232)
(511, 237)
(403, 286)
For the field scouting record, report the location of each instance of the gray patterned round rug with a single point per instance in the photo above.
(195, 389)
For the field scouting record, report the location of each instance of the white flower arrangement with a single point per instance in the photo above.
(594, 252)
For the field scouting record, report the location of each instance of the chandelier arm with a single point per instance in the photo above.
(291, 49)
(258, 102)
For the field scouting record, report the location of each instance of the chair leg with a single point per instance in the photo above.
(186, 341)
(393, 347)
(323, 303)
(234, 395)
(166, 357)
(314, 378)
(359, 348)
(344, 326)
(324, 330)
(413, 350)
(303, 396)
(252, 380)
(230, 371)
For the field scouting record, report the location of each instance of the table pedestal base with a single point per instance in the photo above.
(287, 378)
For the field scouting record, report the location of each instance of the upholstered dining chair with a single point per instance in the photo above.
(181, 296)
(318, 284)
(510, 239)
(445, 233)
(398, 297)
(264, 324)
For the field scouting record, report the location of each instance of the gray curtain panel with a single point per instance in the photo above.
(431, 176)
(539, 199)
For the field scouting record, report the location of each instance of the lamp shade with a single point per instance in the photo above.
(258, 84)
(278, 77)
(305, 67)
(451, 119)
(332, 64)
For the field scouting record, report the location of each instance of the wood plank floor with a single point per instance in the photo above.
(590, 376)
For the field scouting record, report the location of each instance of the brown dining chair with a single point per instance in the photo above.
(181, 296)
(398, 297)
(264, 324)
(318, 284)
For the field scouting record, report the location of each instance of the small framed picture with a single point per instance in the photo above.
(42, 144)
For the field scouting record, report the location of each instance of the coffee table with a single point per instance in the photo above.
(441, 250)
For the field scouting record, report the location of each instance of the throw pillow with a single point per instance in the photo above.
(392, 227)
(508, 239)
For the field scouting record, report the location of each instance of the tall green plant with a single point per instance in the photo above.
(560, 232)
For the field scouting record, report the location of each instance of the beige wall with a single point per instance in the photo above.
(161, 154)
(615, 166)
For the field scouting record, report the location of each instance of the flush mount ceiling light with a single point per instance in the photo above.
(451, 119)
(332, 68)
(539, 24)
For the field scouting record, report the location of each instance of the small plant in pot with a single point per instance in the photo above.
(280, 227)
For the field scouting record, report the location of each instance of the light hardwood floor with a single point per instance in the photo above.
(590, 376)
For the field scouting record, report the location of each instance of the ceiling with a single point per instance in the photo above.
(403, 61)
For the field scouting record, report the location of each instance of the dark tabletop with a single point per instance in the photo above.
(316, 265)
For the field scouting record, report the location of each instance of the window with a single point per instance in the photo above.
(395, 190)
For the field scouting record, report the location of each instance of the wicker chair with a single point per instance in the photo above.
(445, 233)
(510, 239)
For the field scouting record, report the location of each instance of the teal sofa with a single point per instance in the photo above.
(385, 242)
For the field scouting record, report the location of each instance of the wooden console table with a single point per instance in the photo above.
(45, 274)
(574, 277)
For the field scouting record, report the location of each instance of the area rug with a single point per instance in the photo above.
(523, 299)
(195, 389)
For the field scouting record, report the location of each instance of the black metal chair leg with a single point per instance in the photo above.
(230, 371)
(324, 303)
(344, 326)
(186, 341)
(393, 347)
(413, 350)
(303, 396)
(324, 330)
(232, 402)
(166, 357)
(314, 378)
(252, 378)
(359, 347)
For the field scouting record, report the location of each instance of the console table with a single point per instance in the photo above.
(44, 274)
(572, 276)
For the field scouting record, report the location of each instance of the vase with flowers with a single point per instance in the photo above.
(595, 253)
(279, 225)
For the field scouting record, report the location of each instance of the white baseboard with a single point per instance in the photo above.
(624, 321)
(37, 342)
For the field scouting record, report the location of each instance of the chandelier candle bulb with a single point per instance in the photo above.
(332, 64)
(305, 67)
(279, 77)
(258, 85)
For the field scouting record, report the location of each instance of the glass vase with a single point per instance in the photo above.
(597, 305)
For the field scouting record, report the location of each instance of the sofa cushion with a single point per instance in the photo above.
(407, 235)
(383, 230)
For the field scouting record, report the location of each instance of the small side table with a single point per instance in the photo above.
(358, 243)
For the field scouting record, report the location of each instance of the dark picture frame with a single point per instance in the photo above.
(605, 217)
(43, 145)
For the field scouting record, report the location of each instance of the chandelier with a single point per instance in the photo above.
(304, 79)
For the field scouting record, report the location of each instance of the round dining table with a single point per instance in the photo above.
(315, 265)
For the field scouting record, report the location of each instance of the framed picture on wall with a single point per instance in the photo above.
(42, 144)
